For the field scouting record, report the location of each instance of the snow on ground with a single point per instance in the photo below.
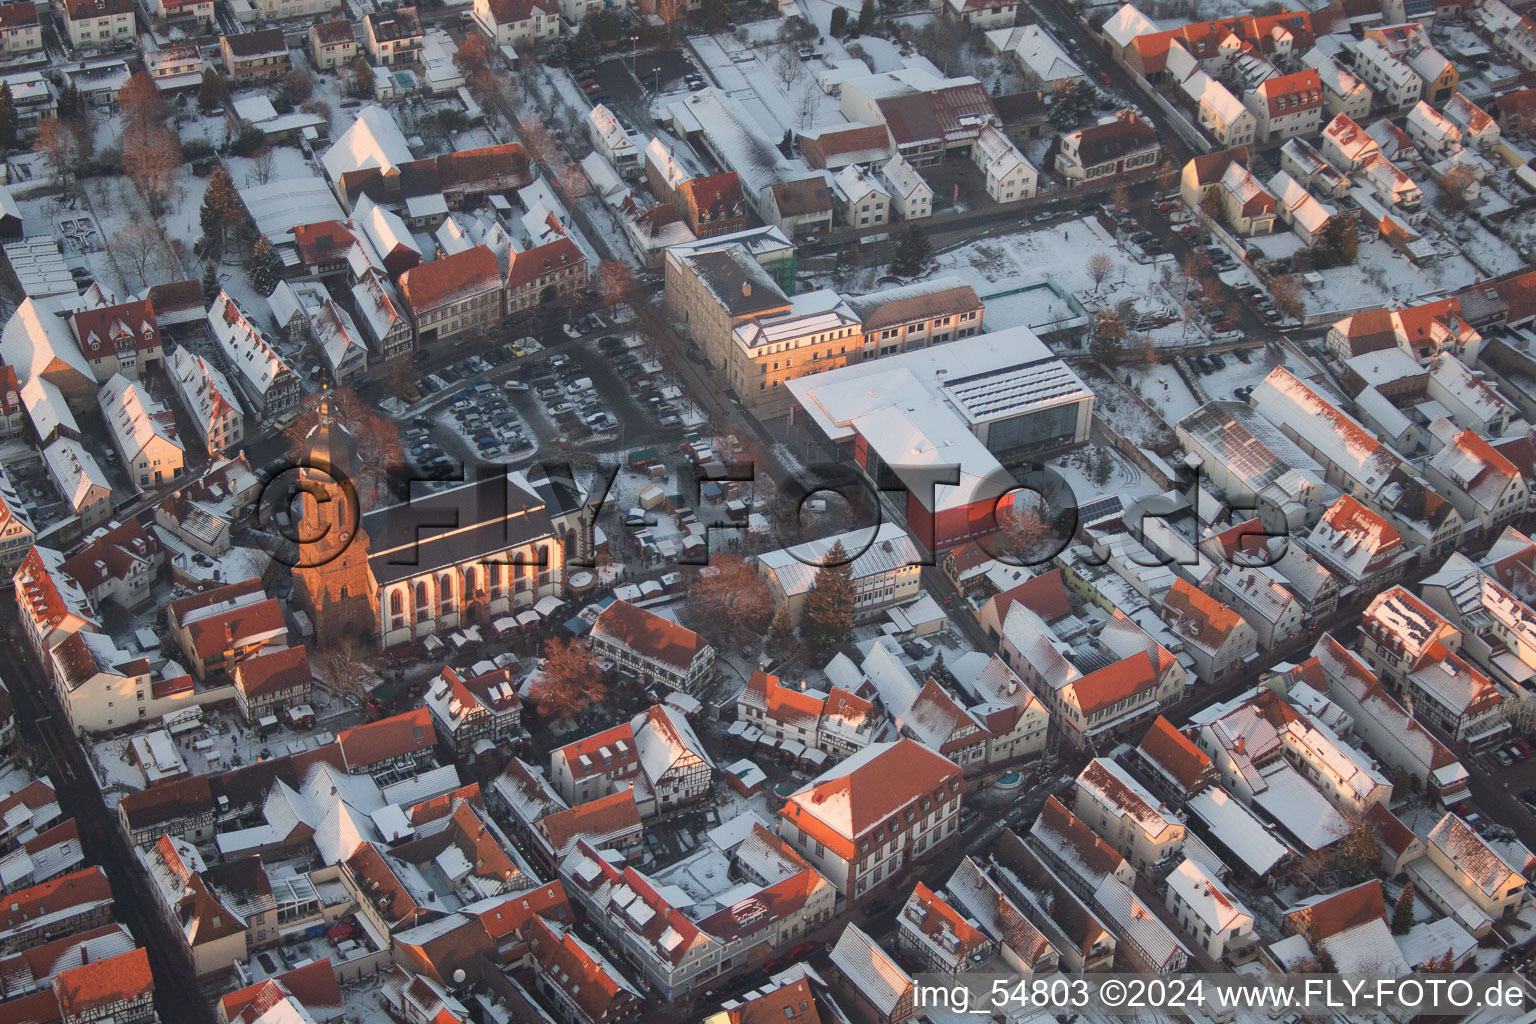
(768, 79)
(1118, 408)
(1494, 254)
(1008, 263)
(1164, 390)
(287, 162)
(1382, 275)
(1220, 385)
(1125, 478)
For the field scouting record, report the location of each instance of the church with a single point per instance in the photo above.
(455, 557)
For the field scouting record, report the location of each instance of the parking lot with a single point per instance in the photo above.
(576, 389)
(626, 84)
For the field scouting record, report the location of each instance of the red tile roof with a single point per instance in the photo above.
(718, 195)
(841, 808)
(78, 889)
(397, 736)
(486, 169)
(225, 631)
(510, 12)
(18, 13)
(1061, 824)
(100, 328)
(388, 893)
(273, 672)
(568, 965)
(37, 1008)
(329, 33)
(794, 1003)
(1287, 94)
(1175, 753)
(1044, 595)
(325, 241)
(939, 917)
(1341, 911)
(855, 139)
(95, 986)
(182, 607)
(595, 820)
(1201, 617)
(1395, 836)
(530, 266)
(1114, 683)
(77, 10)
(648, 634)
(516, 910)
(619, 742)
(448, 279)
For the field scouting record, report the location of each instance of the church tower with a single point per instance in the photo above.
(331, 582)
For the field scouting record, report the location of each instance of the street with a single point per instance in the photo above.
(178, 997)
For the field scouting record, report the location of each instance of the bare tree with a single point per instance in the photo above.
(344, 668)
(1286, 292)
(569, 681)
(940, 41)
(786, 62)
(1120, 198)
(150, 160)
(1457, 187)
(614, 280)
(137, 248)
(262, 165)
(732, 603)
(1100, 266)
(809, 102)
(1022, 528)
(60, 144)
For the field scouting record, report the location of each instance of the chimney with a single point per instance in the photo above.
(746, 288)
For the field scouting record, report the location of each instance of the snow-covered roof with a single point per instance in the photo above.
(374, 297)
(1217, 907)
(607, 128)
(135, 418)
(244, 346)
(1336, 436)
(1139, 925)
(1214, 99)
(1037, 51)
(853, 183)
(903, 179)
(1299, 206)
(1367, 948)
(1003, 159)
(739, 141)
(280, 206)
(34, 337)
(1300, 809)
(1238, 829)
(385, 230)
(665, 741)
(920, 409)
(75, 473)
(1478, 862)
(871, 970)
(1126, 24)
(47, 409)
(884, 550)
(373, 140)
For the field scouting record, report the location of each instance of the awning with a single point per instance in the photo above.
(547, 606)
